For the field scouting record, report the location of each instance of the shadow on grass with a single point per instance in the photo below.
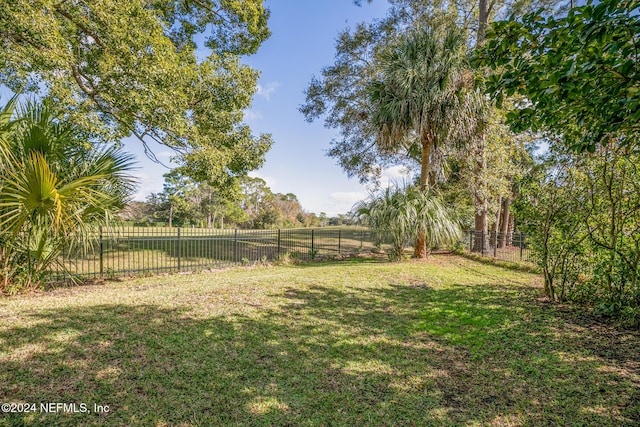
(527, 266)
(347, 261)
(405, 354)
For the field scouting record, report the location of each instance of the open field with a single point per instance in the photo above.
(127, 251)
(140, 251)
(360, 342)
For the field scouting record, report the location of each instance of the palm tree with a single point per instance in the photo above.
(53, 188)
(402, 214)
(6, 123)
(424, 99)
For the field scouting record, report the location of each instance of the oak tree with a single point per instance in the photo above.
(162, 70)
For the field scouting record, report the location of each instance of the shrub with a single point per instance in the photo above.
(54, 187)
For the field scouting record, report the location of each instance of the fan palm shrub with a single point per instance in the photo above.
(54, 187)
(403, 214)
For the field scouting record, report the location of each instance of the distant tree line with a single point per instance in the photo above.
(250, 204)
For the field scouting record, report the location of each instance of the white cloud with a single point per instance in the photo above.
(396, 175)
(348, 196)
(250, 115)
(146, 185)
(342, 202)
(266, 90)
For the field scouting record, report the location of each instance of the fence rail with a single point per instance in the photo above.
(130, 251)
(126, 251)
(504, 246)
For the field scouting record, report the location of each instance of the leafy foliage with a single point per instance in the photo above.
(506, 157)
(52, 189)
(580, 73)
(404, 214)
(135, 67)
(340, 95)
(424, 98)
(583, 216)
(249, 203)
(551, 217)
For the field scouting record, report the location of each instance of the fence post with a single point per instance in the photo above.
(101, 252)
(521, 245)
(339, 241)
(179, 249)
(235, 245)
(495, 244)
(312, 245)
(278, 242)
(482, 243)
(470, 241)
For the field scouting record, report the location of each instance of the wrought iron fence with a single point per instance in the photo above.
(128, 251)
(504, 246)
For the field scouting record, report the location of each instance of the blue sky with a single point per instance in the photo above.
(302, 42)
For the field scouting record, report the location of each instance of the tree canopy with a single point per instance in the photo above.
(580, 73)
(161, 70)
(340, 94)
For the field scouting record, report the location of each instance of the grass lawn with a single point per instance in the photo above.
(126, 251)
(362, 342)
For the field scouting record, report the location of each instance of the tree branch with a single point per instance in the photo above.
(80, 79)
(83, 27)
(209, 9)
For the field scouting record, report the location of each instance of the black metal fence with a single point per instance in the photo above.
(130, 251)
(127, 251)
(504, 246)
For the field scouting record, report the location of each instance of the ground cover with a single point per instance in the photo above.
(360, 342)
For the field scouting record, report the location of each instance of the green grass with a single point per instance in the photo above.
(364, 342)
(130, 251)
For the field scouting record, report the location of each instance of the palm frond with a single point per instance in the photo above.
(403, 213)
(53, 190)
(423, 89)
(6, 124)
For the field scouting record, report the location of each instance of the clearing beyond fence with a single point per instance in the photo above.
(134, 251)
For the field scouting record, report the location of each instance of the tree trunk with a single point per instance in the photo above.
(480, 200)
(171, 215)
(209, 217)
(511, 230)
(420, 250)
(481, 242)
(484, 9)
(425, 164)
(506, 216)
(496, 225)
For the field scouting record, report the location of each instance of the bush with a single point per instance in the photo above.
(54, 187)
(400, 215)
(582, 215)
